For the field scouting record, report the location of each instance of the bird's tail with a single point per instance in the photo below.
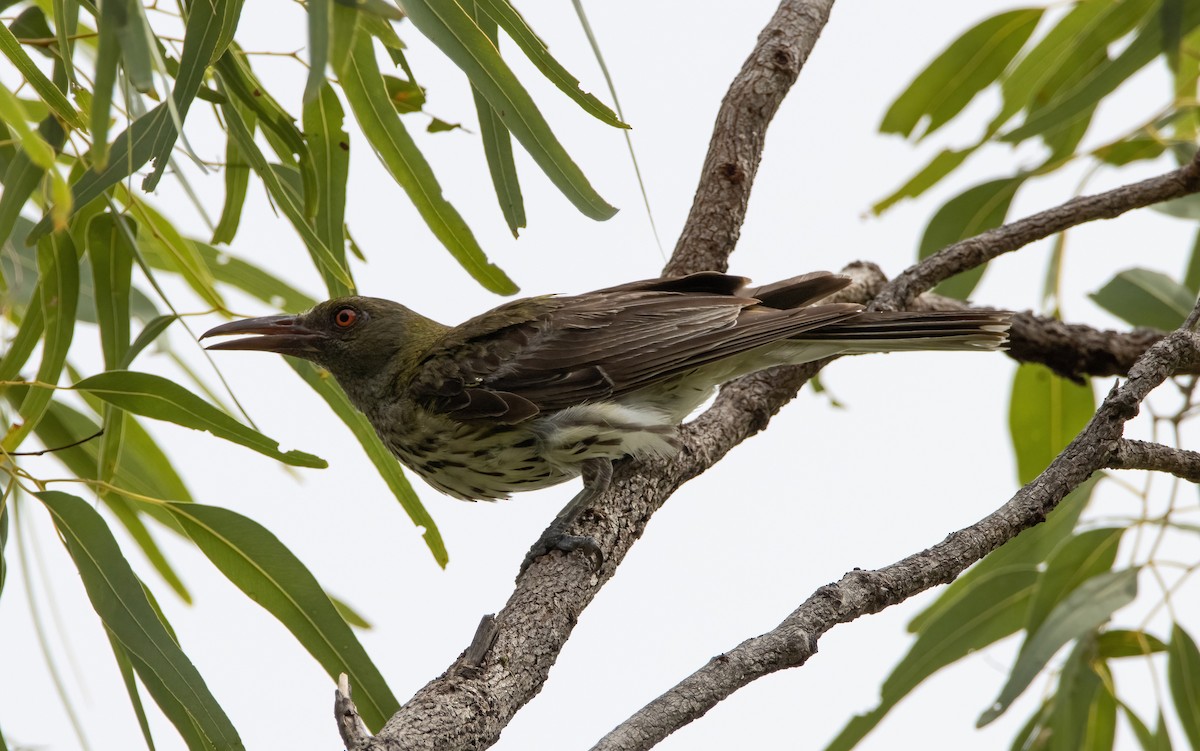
(896, 332)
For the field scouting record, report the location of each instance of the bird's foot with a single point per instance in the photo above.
(565, 543)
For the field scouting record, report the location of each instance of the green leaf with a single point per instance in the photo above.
(119, 600)
(368, 99)
(1071, 50)
(504, 14)
(262, 567)
(320, 18)
(497, 142)
(1076, 560)
(150, 332)
(58, 268)
(349, 614)
(12, 112)
(973, 211)
(406, 96)
(111, 255)
(129, 151)
(108, 54)
(133, 35)
(1072, 724)
(154, 228)
(45, 88)
(1191, 276)
(1091, 604)
(66, 17)
(237, 181)
(1146, 298)
(1130, 150)
(1183, 676)
(447, 25)
(988, 612)
(208, 32)
(389, 469)
(337, 276)
(946, 161)
(1116, 643)
(21, 178)
(1184, 207)
(3, 543)
(1045, 413)
(329, 146)
(969, 65)
(1082, 98)
(125, 665)
(156, 397)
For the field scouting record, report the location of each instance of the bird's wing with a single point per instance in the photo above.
(550, 353)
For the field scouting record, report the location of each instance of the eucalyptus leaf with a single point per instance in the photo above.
(1091, 604)
(156, 397)
(1144, 297)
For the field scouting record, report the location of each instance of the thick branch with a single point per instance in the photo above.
(1131, 454)
(715, 222)
(468, 709)
(860, 592)
(978, 250)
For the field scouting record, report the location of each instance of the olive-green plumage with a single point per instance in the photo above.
(529, 394)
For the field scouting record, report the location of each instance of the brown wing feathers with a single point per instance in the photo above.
(616, 340)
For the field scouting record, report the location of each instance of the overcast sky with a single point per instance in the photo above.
(921, 448)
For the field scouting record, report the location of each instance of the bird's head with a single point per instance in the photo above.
(358, 339)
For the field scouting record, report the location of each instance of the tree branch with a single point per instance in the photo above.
(468, 709)
(861, 593)
(1131, 454)
(978, 250)
(715, 222)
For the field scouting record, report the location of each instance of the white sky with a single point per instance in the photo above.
(921, 450)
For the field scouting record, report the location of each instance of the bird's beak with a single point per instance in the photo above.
(285, 335)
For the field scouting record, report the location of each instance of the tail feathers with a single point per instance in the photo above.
(892, 332)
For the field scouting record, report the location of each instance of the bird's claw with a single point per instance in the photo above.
(567, 544)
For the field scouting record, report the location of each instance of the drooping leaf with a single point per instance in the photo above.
(1076, 560)
(970, 64)
(449, 27)
(119, 600)
(206, 35)
(1103, 80)
(320, 21)
(389, 469)
(368, 99)
(1092, 603)
(973, 211)
(125, 665)
(1084, 713)
(329, 146)
(1144, 297)
(337, 276)
(1116, 643)
(503, 13)
(154, 396)
(1120, 153)
(237, 181)
(1183, 676)
(1046, 411)
(58, 267)
(497, 141)
(946, 161)
(1069, 51)
(271, 575)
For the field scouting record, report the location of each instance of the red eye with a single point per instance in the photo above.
(345, 317)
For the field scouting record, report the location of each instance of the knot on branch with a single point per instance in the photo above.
(732, 172)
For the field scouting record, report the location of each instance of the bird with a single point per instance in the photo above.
(544, 389)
